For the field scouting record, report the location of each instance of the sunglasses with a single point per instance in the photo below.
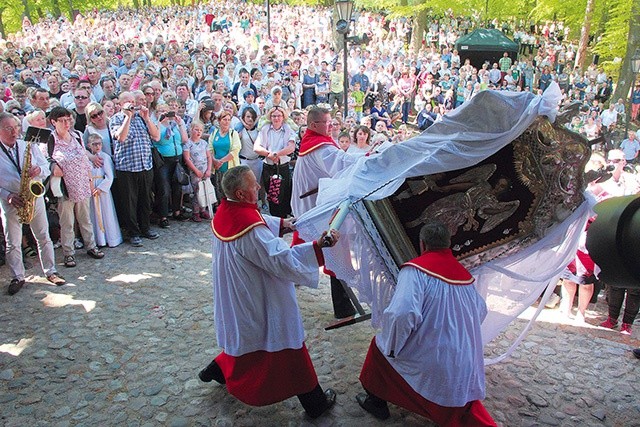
(81, 97)
(96, 115)
(18, 113)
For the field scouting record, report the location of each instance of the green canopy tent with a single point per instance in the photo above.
(485, 45)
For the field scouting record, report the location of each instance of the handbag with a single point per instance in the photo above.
(180, 175)
(206, 193)
(157, 159)
(275, 182)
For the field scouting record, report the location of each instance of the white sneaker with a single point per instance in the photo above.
(553, 301)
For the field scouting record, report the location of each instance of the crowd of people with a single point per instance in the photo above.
(147, 109)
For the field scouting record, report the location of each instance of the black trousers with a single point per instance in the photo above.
(342, 305)
(313, 402)
(281, 209)
(615, 298)
(134, 192)
(169, 192)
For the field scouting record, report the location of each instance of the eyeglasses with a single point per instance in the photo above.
(12, 128)
(96, 115)
(149, 93)
(18, 113)
(81, 97)
(220, 68)
(227, 95)
(616, 160)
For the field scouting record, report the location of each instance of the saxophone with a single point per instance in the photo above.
(29, 189)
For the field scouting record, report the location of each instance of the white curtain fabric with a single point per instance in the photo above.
(462, 139)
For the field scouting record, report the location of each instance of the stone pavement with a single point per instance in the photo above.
(122, 343)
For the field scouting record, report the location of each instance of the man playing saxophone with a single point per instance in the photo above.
(12, 157)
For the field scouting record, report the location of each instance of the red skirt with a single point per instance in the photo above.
(379, 378)
(262, 378)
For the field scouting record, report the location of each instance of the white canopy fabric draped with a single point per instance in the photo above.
(465, 137)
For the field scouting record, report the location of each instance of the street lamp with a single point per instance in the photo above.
(635, 69)
(343, 10)
(269, 21)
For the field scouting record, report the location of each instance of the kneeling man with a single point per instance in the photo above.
(428, 358)
(258, 322)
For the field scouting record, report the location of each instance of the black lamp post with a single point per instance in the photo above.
(343, 10)
(269, 20)
(635, 69)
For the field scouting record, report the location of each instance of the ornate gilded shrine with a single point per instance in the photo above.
(504, 203)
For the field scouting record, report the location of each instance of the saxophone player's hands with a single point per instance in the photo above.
(15, 200)
(34, 171)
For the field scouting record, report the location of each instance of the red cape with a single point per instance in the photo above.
(442, 265)
(312, 140)
(234, 219)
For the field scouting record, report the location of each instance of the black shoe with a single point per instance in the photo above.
(379, 411)
(15, 286)
(331, 398)
(636, 353)
(181, 217)
(136, 241)
(212, 372)
(164, 223)
(151, 235)
(205, 376)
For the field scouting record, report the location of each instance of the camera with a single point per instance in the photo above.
(168, 115)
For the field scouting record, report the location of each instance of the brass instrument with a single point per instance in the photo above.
(29, 188)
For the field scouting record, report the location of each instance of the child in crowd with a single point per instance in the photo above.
(103, 212)
(344, 140)
(358, 100)
(198, 160)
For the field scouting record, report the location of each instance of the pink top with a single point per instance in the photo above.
(72, 158)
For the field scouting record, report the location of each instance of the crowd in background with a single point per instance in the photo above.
(211, 81)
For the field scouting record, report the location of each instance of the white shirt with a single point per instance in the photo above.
(255, 305)
(9, 176)
(433, 329)
(323, 162)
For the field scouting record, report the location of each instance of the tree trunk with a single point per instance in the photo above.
(419, 26)
(55, 9)
(2, 32)
(584, 35)
(136, 4)
(625, 81)
(27, 11)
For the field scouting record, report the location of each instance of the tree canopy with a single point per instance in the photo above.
(609, 21)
